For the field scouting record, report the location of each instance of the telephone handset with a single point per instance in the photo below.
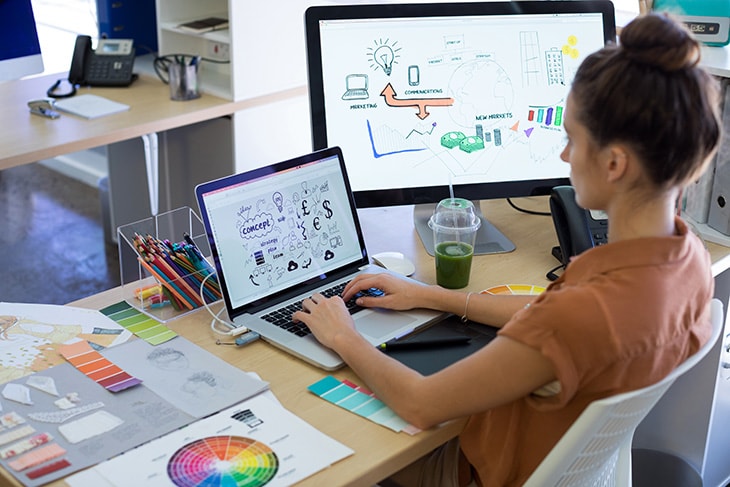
(110, 65)
(578, 229)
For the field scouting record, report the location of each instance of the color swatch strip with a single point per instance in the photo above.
(96, 367)
(48, 469)
(360, 401)
(36, 457)
(146, 328)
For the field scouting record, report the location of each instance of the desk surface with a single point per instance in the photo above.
(30, 138)
(379, 451)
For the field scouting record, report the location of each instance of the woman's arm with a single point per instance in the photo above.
(401, 294)
(500, 372)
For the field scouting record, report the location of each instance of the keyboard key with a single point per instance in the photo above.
(282, 316)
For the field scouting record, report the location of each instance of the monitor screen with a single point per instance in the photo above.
(424, 97)
(20, 50)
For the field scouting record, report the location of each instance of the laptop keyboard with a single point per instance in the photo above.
(282, 317)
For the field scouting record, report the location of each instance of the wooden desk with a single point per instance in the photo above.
(379, 451)
(30, 138)
(27, 138)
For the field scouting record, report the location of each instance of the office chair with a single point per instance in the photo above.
(596, 450)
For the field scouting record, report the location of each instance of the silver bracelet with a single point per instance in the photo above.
(466, 307)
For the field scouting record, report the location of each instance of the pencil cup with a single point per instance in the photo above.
(165, 265)
(454, 224)
(184, 80)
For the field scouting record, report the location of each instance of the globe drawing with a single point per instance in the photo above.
(480, 87)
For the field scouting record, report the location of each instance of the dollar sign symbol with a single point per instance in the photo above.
(326, 206)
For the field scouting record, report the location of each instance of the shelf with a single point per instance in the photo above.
(220, 35)
(717, 60)
(216, 78)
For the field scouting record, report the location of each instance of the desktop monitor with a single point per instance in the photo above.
(20, 50)
(430, 100)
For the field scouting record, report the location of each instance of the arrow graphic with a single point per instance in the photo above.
(390, 99)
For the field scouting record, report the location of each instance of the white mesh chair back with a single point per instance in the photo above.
(596, 450)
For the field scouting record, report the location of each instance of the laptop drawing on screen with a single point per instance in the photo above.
(356, 87)
(280, 233)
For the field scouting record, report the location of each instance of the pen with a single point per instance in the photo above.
(424, 343)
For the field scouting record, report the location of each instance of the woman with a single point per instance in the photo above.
(642, 122)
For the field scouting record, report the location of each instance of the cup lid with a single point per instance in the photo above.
(453, 214)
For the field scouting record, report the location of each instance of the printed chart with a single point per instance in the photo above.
(233, 461)
(252, 444)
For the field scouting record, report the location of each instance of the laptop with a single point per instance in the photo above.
(280, 233)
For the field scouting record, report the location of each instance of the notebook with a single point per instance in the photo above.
(280, 233)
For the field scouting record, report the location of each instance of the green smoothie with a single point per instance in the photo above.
(453, 264)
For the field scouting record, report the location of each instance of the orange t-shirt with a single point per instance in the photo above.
(621, 317)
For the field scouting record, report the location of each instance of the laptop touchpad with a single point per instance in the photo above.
(379, 323)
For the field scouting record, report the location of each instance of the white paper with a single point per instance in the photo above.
(43, 383)
(90, 106)
(18, 393)
(88, 478)
(285, 448)
(89, 426)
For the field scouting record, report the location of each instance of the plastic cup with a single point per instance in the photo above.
(454, 224)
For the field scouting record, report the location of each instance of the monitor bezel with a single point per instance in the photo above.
(432, 194)
(20, 53)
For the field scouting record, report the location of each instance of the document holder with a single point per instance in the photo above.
(165, 261)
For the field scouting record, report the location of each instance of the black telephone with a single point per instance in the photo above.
(578, 229)
(110, 65)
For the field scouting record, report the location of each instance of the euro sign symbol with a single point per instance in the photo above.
(326, 206)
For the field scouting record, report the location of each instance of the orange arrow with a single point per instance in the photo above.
(390, 99)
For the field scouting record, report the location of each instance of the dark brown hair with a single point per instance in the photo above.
(649, 92)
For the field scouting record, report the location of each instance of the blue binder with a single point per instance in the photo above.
(129, 19)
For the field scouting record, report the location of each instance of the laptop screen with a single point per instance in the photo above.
(282, 226)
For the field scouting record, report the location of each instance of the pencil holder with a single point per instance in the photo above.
(165, 264)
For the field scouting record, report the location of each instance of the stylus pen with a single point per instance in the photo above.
(424, 343)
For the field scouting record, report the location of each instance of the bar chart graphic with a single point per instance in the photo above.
(550, 116)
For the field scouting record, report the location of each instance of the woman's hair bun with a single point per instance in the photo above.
(657, 41)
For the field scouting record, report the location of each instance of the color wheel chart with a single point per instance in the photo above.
(230, 461)
(520, 289)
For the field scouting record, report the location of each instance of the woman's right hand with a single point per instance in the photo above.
(399, 293)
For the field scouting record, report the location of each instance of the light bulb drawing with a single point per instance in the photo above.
(278, 199)
(384, 55)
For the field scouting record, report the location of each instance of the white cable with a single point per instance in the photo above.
(233, 331)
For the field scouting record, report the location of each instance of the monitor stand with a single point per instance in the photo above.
(489, 239)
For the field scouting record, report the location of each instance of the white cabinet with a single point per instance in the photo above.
(267, 70)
